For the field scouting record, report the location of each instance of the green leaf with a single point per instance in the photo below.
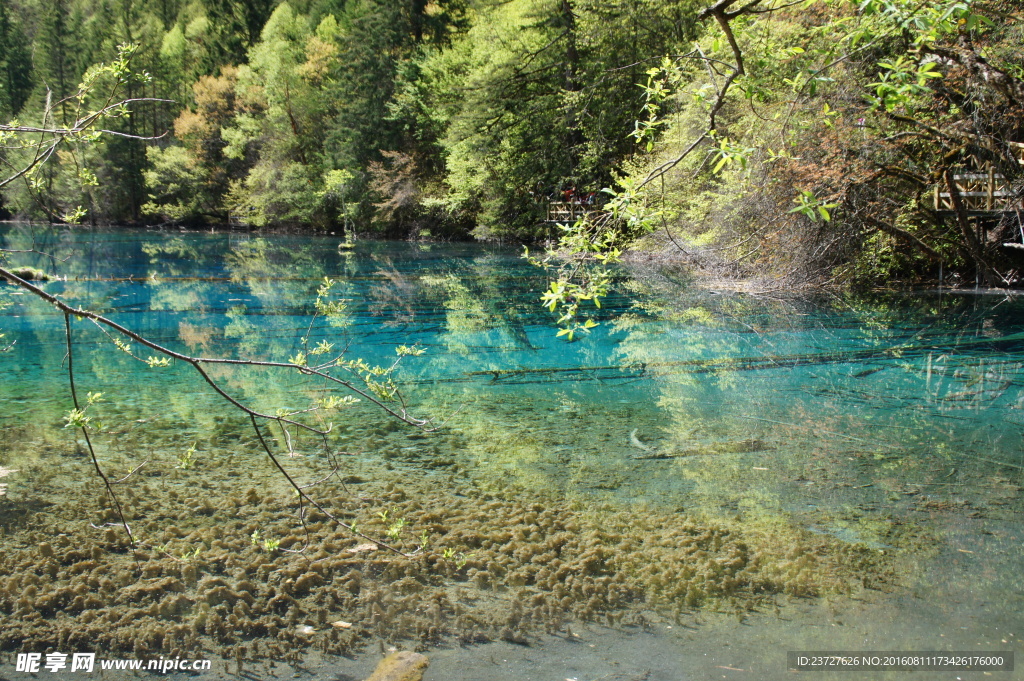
(76, 419)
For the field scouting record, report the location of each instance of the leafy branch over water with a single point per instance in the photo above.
(373, 383)
(83, 118)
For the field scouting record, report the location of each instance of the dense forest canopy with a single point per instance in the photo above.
(810, 140)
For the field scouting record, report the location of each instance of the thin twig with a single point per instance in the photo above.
(88, 441)
(302, 494)
(198, 362)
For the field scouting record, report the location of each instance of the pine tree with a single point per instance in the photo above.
(15, 64)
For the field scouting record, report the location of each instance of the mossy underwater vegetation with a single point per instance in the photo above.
(224, 565)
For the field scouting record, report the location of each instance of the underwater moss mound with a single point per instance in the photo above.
(228, 568)
(29, 274)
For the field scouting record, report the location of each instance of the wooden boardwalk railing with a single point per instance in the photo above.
(982, 192)
(566, 212)
(985, 196)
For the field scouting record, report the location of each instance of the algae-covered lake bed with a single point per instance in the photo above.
(705, 482)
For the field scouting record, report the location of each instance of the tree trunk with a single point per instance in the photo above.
(973, 245)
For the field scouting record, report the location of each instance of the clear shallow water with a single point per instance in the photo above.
(892, 422)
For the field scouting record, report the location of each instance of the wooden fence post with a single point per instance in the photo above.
(991, 187)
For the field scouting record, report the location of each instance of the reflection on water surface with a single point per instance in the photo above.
(841, 471)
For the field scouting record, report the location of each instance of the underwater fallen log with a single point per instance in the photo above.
(1010, 343)
(745, 446)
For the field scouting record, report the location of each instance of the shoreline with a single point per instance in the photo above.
(644, 260)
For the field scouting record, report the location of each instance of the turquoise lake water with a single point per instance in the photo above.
(885, 421)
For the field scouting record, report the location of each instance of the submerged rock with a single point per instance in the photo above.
(404, 665)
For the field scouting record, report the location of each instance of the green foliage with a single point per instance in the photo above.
(190, 555)
(660, 81)
(188, 459)
(582, 260)
(68, 132)
(580, 274)
(811, 207)
(903, 82)
(335, 402)
(266, 544)
(174, 179)
(927, 23)
(459, 558)
(419, 119)
(524, 104)
(276, 192)
(823, 102)
(15, 64)
(394, 530)
(76, 418)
